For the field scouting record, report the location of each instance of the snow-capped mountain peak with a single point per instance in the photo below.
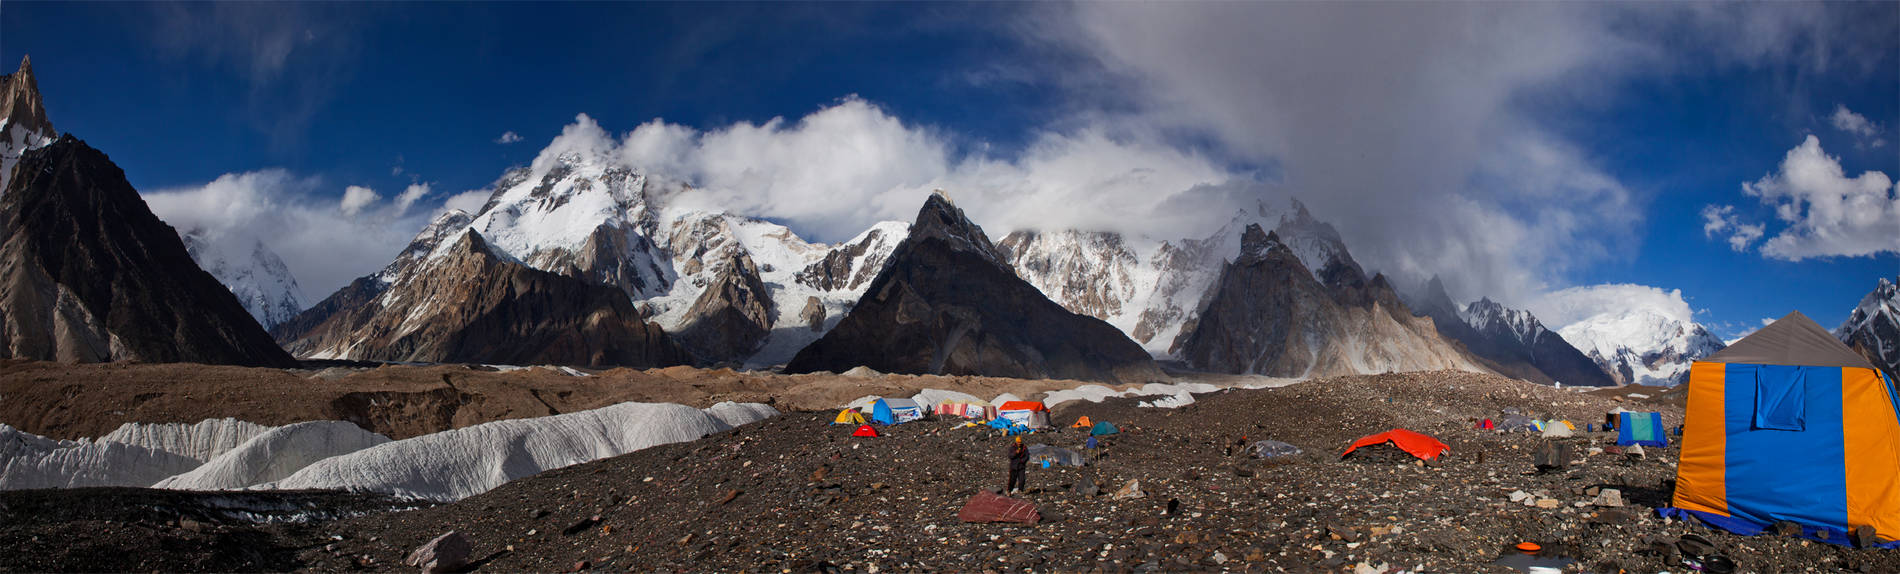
(1874, 326)
(257, 276)
(1642, 346)
(1518, 322)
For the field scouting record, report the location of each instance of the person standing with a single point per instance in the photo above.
(1018, 466)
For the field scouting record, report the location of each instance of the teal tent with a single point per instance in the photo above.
(1104, 428)
(1644, 429)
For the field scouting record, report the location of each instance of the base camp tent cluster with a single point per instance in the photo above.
(1789, 425)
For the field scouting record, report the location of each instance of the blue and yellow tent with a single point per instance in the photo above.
(1789, 424)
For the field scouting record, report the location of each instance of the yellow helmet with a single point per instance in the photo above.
(1019, 440)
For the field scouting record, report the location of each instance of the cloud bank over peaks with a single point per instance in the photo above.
(325, 243)
(1564, 307)
(836, 171)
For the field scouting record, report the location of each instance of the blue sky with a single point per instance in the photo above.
(1523, 152)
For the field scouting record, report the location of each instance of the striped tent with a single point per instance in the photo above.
(1790, 425)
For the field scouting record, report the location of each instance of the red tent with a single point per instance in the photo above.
(865, 430)
(1419, 445)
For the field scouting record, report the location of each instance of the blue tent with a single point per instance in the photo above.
(881, 413)
(1788, 424)
(1644, 429)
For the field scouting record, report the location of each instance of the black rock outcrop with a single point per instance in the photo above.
(1510, 341)
(89, 274)
(946, 302)
(1268, 315)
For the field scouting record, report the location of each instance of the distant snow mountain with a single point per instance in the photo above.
(1269, 315)
(1334, 319)
(1510, 341)
(1873, 329)
(731, 289)
(257, 277)
(1150, 288)
(1642, 346)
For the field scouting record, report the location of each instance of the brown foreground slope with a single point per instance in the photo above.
(74, 401)
(796, 493)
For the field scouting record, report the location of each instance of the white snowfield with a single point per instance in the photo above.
(456, 464)
(274, 455)
(203, 440)
(228, 454)
(31, 461)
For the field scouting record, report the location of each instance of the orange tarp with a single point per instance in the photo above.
(1419, 445)
(1022, 406)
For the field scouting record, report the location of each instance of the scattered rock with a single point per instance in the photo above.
(1130, 490)
(446, 553)
(1609, 497)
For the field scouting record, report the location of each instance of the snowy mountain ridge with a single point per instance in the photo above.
(1873, 328)
(258, 278)
(1642, 346)
(583, 215)
(1519, 323)
(1150, 288)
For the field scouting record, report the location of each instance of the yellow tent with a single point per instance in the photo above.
(848, 417)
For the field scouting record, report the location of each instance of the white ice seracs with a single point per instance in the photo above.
(456, 464)
(275, 454)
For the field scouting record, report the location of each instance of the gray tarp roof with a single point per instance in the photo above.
(1793, 340)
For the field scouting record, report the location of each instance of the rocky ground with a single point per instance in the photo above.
(795, 493)
(401, 401)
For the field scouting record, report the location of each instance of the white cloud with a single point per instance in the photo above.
(1865, 132)
(1827, 212)
(409, 196)
(843, 167)
(324, 247)
(1721, 220)
(356, 198)
(1401, 122)
(468, 202)
(1564, 307)
(508, 137)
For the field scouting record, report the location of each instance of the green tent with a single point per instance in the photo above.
(1104, 428)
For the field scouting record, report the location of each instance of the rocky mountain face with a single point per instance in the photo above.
(1510, 341)
(1268, 314)
(257, 277)
(88, 273)
(1150, 288)
(948, 302)
(464, 303)
(1873, 329)
(732, 315)
(735, 290)
(1642, 346)
(23, 123)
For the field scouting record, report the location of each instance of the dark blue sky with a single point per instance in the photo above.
(345, 93)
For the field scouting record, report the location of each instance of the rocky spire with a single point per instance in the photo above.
(20, 102)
